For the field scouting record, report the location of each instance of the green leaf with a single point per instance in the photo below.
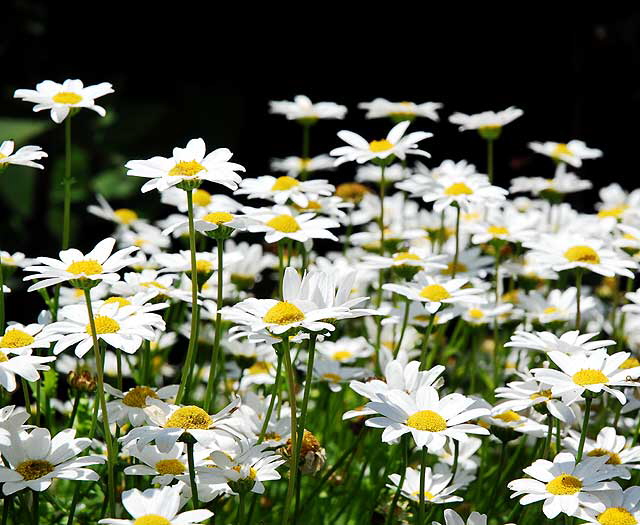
(22, 130)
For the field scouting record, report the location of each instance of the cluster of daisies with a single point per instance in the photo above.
(416, 344)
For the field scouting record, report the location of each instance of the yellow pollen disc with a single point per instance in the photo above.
(459, 188)
(218, 217)
(284, 223)
(351, 191)
(34, 468)
(67, 97)
(311, 206)
(427, 495)
(498, 230)
(253, 473)
(564, 485)
(259, 367)
(508, 417)
(189, 417)
(632, 362)
(542, 393)
(460, 268)
(304, 163)
(616, 516)
(104, 325)
(137, 397)
(341, 355)
(170, 466)
(405, 256)
(153, 284)
(332, 377)
(186, 169)
(89, 267)
(283, 313)
(201, 197)
(472, 216)
(427, 420)
(435, 292)
(614, 459)
(284, 183)
(615, 212)
(204, 266)
(584, 254)
(120, 300)
(376, 146)
(2, 156)
(589, 376)
(3, 357)
(272, 436)
(424, 318)
(561, 149)
(125, 215)
(550, 310)
(476, 313)
(152, 519)
(629, 237)
(16, 339)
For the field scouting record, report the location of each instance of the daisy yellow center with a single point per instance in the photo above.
(16, 339)
(283, 313)
(152, 519)
(34, 468)
(342, 354)
(331, 377)
(104, 325)
(589, 376)
(304, 163)
(616, 516)
(204, 266)
(125, 215)
(121, 301)
(377, 146)
(153, 284)
(614, 459)
(186, 168)
(615, 212)
(284, 223)
(89, 267)
(550, 310)
(459, 188)
(427, 495)
(218, 217)
(67, 97)
(632, 362)
(459, 267)
(259, 368)
(2, 156)
(561, 149)
(405, 256)
(435, 292)
(311, 206)
(584, 254)
(476, 313)
(137, 397)
(284, 183)
(564, 485)
(542, 393)
(189, 417)
(253, 473)
(3, 357)
(472, 216)
(201, 198)
(508, 417)
(498, 230)
(170, 466)
(427, 420)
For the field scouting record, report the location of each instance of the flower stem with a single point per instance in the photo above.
(67, 184)
(272, 401)
(192, 474)
(454, 268)
(293, 470)
(490, 159)
(456, 453)
(36, 507)
(578, 293)
(240, 516)
(403, 472)
(25, 393)
(423, 466)
(404, 326)
(585, 424)
(1, 299)
(74, 410)
(215, 351)
(425, 363)
(547, 441)
(382, 189)
(187, 369)
(306, 132)
(280, 267)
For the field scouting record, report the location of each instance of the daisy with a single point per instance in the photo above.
(480, 314)
(451, 517)
(381, 107)
(561, 183)
(254, 410)
(69, 295)
(568, 343)
(97, 265)
(471, 264)
(507, 225)
(487, 121)
(190, 165)
(595, 372)
(166, 467)
(11, 420)
(564, 486)
(607, 443)
(438, 488)
(281, 189)
(21, 339)
(558, 305)
(622, 507)
(294, 166)
(334, 373)
(372, 173)
(279, 223)
(303, 110)
(64, 98)
(345, 349)
(395, 144)
(25, 156)
(406, 263)
(147, 237)
(157, 507)
(129, 406)
(206, 262)
(35, 459)
(151, 282)
(24, 365)
(573, 152)
(123, 217)
(430, 420)
(203, 201)
(464, 192)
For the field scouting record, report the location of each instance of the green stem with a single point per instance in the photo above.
(192, 473)
(146, 369)
(636, 434)
(423, 466)
(585, 424)
(25, 393)
(547, 441)
(280, 266)
(306, 128)
(74, 410)
(578, 293)
(404, 326)
(215, 351)
(1, 299)
(293, 470)
(6, 508)
(36, 507)
(67, 184)
(454, 268)
(307, 391)
(558, 438)
(187, 370)
(272, 401)
(403, 473)
(456, 453)
(240, 515)
(490, 159)
(382, 190)
(426, 363)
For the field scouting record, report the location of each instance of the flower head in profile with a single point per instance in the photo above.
(305, 111)
(25, 156)
(190, 165)
(488, 123)
(381, 107)
(451, 517)
(572, 152)
(294, 166)
(24, 365)
(61, 99)
(396, 144)
(438, 488)
(281, 189)
(123, 217)
(279, 223)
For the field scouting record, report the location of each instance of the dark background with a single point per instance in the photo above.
(184, 70)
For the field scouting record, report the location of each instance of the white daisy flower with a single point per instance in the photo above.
(430, 420)
(129, 406)
(487, 120)
(381, 107)
(572, 342)
(345, 349)
(164, 466)
(36, 459)
(150, 282)
(24, 365)
(190, 164)
(61, 99)
(281, 189)
(302, 109)
(254, 410)
(335, 374)
(69, 295)
(279, 223)
(506, 224)
(97, 265)
(463, 191)
(558, 305)
(573, 152)
(451, 517)
(561, 183)
(438, 488)
(294, 166)
(124, 217)
(25, 156)
(396, 143)
(157, 507)
(621, 507)
(413, 260)
(21, 339)
(148, 238)
(393, 173)
(484, 314)
(203, 201)
(206, 262)
(607, 443)
(11, 420)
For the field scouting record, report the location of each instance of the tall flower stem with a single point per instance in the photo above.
(187, 369)
(585, 423)
(192, 472)
(578, 294)
(215, 351)
(36, 507)
(404, 326)
(103, 406)
(306, 132)
(293, 470)
(456, 454)
(490, 159)
(280, 267)
(423, 465)
(403, 472)
(66, 220)
(1, 299)
(272, 401)
(425, 363)
(454, 268)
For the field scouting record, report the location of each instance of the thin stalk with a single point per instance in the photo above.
(293, 470)
(240, 515)
(382, 189)
(423, 466)
(547, 441)
(490, 159)
(558, 438)
(215, 351)
(272, 401)
(36, 507)
(306, 129)
(454, 269)
(585, 424)
(425, 363)
(119, 369)
(503, 452)
(578, 293)
(1, 299)
(404, 326)
(146, 369)
(74, 410)
(280, 267)
(193, 339)
(6, 508)
(403, 473)
(192, 474)
(66, 222)
(25, 393)
(456, 453)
